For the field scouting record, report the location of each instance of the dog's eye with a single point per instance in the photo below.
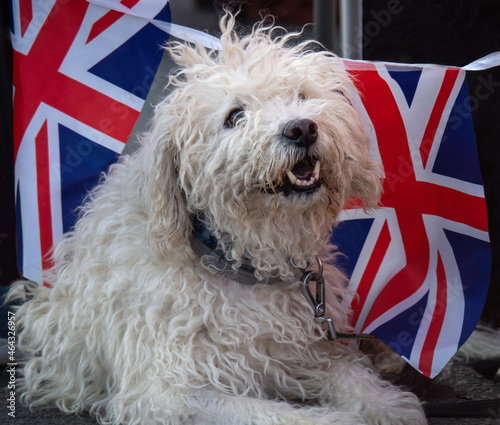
(233, 117)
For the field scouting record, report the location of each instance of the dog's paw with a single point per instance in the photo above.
(312, 416)
(403, 409)
(332, 417)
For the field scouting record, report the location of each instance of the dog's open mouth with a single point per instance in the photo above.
(303, 175)
(303, 178)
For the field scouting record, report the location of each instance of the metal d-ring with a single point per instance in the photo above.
(318, 302)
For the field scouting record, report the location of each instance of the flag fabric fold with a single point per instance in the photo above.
(419, 265)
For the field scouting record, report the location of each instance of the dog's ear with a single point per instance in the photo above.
(168, 219)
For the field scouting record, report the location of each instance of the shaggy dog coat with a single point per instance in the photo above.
(260, 142)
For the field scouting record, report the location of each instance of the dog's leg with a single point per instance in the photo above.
(357, 388)
(215, 408)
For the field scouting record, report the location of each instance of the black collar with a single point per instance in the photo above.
(205, 245)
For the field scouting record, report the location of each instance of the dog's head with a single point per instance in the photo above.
(262, 139)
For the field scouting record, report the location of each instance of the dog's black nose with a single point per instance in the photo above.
(301, 132)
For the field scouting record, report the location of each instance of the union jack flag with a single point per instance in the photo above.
(81, 75)
(420, 265)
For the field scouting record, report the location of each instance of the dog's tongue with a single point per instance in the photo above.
(302, 170)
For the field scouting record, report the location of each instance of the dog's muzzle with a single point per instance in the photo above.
(304, 176)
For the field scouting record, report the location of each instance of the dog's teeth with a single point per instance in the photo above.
(292, 178)
(316, 169)
(302, 182)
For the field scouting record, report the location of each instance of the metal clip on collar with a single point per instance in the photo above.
(318, 302)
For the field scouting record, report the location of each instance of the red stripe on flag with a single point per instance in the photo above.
(26, 12)
(437, 112)
(108, 19)
(395, 152)
(371, 270)
(43, 188)
(429, 347)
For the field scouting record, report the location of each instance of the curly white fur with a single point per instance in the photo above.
(137, 331)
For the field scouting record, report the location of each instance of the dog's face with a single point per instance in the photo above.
(266, 144)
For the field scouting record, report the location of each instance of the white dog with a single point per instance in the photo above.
(178, 298)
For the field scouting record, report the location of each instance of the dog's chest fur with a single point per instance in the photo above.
(243, 339)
